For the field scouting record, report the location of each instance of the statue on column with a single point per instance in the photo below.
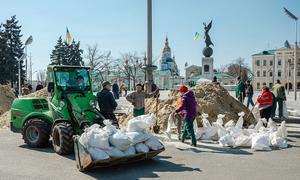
(207, 51)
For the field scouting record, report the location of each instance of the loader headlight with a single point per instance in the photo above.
(61, 104)
(92, 103)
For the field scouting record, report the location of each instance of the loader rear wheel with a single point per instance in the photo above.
(36, 133)
(62, 138)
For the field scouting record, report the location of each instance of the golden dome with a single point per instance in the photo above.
(166, 48)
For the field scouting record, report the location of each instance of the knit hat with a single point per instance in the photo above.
(183, 89)
(105, 83)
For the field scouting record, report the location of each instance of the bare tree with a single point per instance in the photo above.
(99, 61)
(239, 68)
(41, 76)
(129, 65)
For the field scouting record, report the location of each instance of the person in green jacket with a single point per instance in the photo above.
(240, 90)
(279, 93)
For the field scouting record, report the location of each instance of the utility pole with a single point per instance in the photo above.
(292, 16)
(30, 68)
(149, 67)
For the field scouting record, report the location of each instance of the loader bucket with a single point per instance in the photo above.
(84, 160)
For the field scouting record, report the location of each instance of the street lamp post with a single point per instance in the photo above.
(19, 73)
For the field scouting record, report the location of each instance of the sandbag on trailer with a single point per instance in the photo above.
(84, 160)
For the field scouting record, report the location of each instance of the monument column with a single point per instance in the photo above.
(207, 60)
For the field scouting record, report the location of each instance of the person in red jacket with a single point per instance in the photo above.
(265, 103)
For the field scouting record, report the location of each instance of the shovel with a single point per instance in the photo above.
(156, 127)
(251, 111)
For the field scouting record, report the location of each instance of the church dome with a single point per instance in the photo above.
(166, 48)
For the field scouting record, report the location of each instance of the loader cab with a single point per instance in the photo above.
(68, 78)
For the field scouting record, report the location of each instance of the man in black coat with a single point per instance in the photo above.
(107, 103)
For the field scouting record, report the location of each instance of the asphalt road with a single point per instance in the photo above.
(179, 161)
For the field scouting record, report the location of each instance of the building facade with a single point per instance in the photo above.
(268, 66)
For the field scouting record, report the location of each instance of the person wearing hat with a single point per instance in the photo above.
(107, 103)
(188, 107)
(137, 99)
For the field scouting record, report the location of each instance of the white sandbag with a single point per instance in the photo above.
(226, 140)
(220, 119)
(259, 124)
(240, 121)
(205, 122)
(130, 151)
(282, 131)
(279, 142)
(209, 133)
(97, 154)
(221, 131)
(261, 142)
(272, 125)
(141, 123)
(243, 141)
(98, 139)
(115, 153)
(229, 124)
(252, 126)
(234, 131)
(170, 123)
(138, 137)
(255, 112)
(249, 132)
(141, 148)
(120, 140)
(83, 139)
(199, 133)
(264, 120)
(153, 144)
(109, 128)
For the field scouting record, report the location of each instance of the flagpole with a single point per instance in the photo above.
(295, 65)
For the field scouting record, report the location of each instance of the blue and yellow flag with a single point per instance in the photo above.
(69, 36)
(197, 36)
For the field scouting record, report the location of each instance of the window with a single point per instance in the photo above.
(264, 84)
(75, 79)
(279, 73)
(290, 73)
(257, 62)
(271, 74)
(271, 63)
(264, 62)
(257, 73)
(206, 68)
(264, 73)
(258, 85)
(279, 62)
(298, 85)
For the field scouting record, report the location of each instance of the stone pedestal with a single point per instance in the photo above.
(208, 68)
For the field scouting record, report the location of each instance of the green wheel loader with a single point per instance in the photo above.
(69, 108)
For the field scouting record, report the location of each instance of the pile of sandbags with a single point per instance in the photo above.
(233, 134)
(211, 98)
(110, 142)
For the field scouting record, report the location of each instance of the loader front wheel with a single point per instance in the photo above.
(62, 138)
(36, 133)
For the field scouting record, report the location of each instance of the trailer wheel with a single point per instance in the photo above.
(36, 133)
(62, 138)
